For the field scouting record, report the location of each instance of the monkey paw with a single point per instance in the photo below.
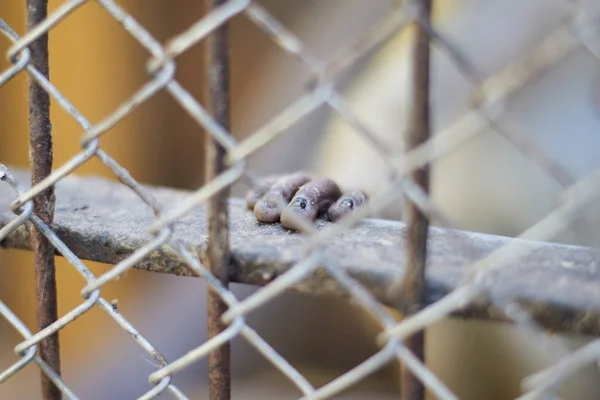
(277, 198)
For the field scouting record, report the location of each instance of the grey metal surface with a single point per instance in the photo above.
(557, 283)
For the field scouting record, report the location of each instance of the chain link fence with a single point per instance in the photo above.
(478, 284)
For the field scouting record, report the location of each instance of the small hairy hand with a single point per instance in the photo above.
(277, 198)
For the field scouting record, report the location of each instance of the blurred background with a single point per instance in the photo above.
(487, 185)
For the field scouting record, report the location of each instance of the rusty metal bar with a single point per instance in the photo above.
(413, 287)
(40, 154)
(217, 70)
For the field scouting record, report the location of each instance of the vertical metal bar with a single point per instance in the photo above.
(413, 287)
(40, 155)
(217, 58)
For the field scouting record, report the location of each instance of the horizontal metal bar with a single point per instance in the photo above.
(104, 221)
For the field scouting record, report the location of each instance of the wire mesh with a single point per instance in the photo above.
(490, 94)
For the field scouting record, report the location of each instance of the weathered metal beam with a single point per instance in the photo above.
(104, 221)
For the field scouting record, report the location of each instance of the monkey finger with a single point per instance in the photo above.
(268, 208)
(311, 199)
(348, 202)
(254, 195)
